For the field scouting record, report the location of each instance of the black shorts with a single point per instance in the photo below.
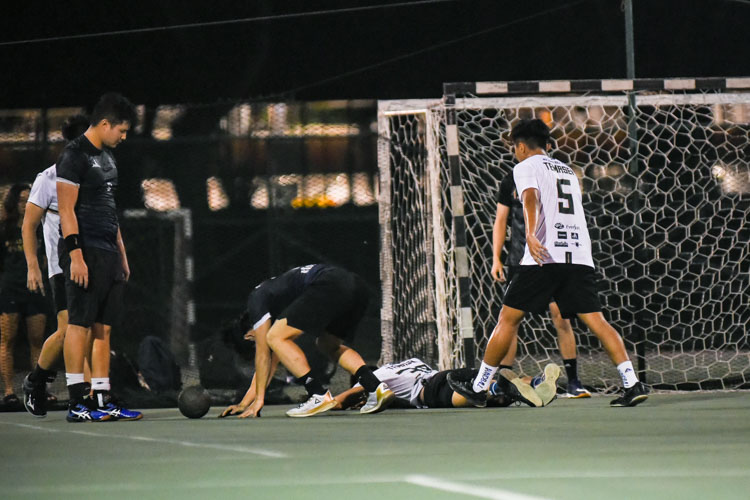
(25, 303)
(511, 271)
(101, 302)
(334, 303)
(572, 286)
(437, 393)
(59, 297)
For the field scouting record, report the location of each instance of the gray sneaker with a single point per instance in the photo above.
(546, 389)
(378, 400)
(318, 403)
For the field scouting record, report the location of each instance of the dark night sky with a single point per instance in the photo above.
(309, 58)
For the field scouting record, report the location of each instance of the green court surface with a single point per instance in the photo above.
(673, 446)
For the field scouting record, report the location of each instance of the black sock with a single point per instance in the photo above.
(312, 385)
(41, 375)
(571, 369)
(77, 393)
(509, 367)
(367, 379)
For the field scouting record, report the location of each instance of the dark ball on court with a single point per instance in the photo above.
(194, 401)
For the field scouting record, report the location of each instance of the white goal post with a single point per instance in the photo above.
(664, 166)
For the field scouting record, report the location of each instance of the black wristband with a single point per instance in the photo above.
(71, 242)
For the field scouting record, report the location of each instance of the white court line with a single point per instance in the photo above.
(239, 449)
(467, 489)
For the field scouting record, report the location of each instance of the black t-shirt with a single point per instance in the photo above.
(95, 172)
(507, 196)
(271, 297)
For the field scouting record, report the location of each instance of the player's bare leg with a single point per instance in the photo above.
(281, 341)
(504, 336)
(566, 341)
(8, 331)
(634, 392)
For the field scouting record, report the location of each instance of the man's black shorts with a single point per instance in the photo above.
(511, 271)
(437, 393)
(572, 286)
(59, 297)
(101, 302)
(333, 303)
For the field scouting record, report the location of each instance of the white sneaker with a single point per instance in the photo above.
(378, 400)
(316, 404)
(547, 388)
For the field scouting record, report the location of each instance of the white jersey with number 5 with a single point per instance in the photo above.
(406, 378)
(561, 225)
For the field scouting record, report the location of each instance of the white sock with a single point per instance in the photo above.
(627, 373)
(484, 377)
(100, 384)
(73, 378)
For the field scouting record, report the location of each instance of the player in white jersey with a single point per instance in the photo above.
(418, 385)
(42, 208)
(557, 263)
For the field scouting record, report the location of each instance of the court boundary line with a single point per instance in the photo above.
(191, 444)
(467, 489)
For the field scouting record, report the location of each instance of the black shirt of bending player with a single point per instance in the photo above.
(507, 196)
(95, 172)
(274, 295)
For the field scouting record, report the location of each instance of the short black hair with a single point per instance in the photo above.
(74, 126)
(532, 132)
(114, 108)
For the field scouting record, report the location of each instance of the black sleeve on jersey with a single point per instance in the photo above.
(257, 305)
(505, 193)
(71, 166)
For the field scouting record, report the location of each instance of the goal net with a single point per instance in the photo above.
(664, 167)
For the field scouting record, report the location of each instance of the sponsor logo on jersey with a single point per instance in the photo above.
(573, 236)
(561, 244)
(559, 225)
(562, 235)
(575, 243)
(573, 227)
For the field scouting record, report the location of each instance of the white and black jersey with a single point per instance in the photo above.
(44, 195)
(406, 379)
(561, 226)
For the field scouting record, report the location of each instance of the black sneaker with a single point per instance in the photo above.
(35, 397)
(517, 389)
(465, 388)
(631, 396)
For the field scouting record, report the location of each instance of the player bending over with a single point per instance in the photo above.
(418, 385)
(556, 263)
(319, 299)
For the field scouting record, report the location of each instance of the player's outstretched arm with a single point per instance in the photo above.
(499, 230)
(350, 398)
(249, 397)
(262, 370)
(530, 198)
(31, 220)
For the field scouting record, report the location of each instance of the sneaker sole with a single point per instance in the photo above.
(384, 402)
(76, 421)
(469, 397)
(547, 390)
(320, 409)
(581, 395)
(524, 392)
(633, 402)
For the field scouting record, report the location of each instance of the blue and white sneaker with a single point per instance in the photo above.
(119, 413)
(576, 390)
(82, 413)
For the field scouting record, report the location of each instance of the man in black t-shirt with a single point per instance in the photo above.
(92, 255)
(319, 299)
(509, 207)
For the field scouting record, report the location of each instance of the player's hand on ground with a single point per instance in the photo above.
(232, 410)
(498, 272)
(34, 280)
(538, 252)
(79, 272)
(252, 411)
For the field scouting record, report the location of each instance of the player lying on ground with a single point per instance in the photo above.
(321, 300)
(557, 263)
(417, 384)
